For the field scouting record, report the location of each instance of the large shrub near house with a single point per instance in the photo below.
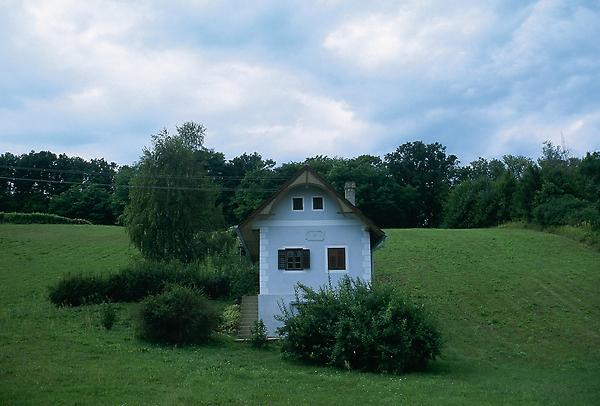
(180, 315)
(355, 326)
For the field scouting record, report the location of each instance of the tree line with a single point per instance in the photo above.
(416, 185)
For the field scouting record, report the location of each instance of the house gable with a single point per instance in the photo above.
(305, 179)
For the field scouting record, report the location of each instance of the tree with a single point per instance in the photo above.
(120, 194)
(92, 203)
(172, 209)
(428, 169)
(234, 173)
(7, 162)
(256, 186)
(590, 171)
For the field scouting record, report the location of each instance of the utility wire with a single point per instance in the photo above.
(84, 183)
(79, 172)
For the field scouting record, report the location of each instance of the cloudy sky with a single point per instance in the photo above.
(297, 79)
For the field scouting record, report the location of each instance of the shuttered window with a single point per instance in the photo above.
(293, 259)
(336, 259)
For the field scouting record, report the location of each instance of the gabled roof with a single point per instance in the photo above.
(305, 176)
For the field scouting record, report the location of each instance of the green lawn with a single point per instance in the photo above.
(520, 311)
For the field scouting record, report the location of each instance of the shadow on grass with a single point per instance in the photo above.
(439, 368)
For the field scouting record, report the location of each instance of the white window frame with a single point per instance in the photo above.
(312, 202)
(345, 247)
(292, 202)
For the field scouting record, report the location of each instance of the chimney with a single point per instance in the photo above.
(350, 192)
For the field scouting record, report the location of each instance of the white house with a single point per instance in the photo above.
(306, 233)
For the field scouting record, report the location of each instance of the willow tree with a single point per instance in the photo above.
(172, 200)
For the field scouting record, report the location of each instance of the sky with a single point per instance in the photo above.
(293, 79)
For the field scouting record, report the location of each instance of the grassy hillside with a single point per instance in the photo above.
(520, 311)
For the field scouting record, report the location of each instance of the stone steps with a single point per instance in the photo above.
(249, 315)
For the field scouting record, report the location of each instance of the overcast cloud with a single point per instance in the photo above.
(297, 79)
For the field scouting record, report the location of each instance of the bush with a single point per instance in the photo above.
(230, 321)
(77, 290)
(180, 315)
(38, 218)
(258, 334)
(216, 277)
(566, 210)
(108, 316)
(357, 327)
(140, 279)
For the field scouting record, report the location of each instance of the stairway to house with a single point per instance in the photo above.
(249, 310)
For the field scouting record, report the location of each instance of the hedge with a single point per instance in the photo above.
(38, 218)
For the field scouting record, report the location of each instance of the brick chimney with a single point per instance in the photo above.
(350, 192)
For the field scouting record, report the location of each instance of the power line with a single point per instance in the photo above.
(84, 183)
(89, 173)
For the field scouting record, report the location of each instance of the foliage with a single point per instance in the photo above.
(258, 334)
(230, 320)
(38, 218)
(92, 203)
(416, 185)
(172, 202)
(217, 277)
(359, 327)
(233, 176)
(470, 204)
(567, 210)
(258, 183)
(77, 290)
(557, 190)
(108, 316)
(428, 169)
(120, 196)
(180, 315)
(36, 178)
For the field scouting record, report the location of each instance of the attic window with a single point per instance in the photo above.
(297, 203)
(317, 203)
(293, 259)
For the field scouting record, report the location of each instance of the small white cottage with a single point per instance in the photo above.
(306, 233)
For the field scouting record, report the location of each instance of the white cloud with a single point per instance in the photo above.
(551, 32)
(424, 37)
(322, 126)
(577, 132)
(339, 78)
(116, 78)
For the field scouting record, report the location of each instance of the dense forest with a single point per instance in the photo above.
(417, 185)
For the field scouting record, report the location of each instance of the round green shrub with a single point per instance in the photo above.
(108, 316)
(359, 327)
(180, 315)
(258, 335)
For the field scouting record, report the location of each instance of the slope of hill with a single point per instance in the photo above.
(520, 311)
(519, 308)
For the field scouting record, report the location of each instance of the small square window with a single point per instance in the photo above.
(317, 203)
(297, 203)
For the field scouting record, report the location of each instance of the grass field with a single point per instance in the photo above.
(520, 311)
